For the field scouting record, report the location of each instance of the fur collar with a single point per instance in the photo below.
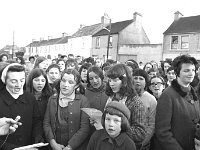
(178, 89)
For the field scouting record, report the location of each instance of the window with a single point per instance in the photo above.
(110, 43)
(185, 42)
(98, 42)
(174, 42)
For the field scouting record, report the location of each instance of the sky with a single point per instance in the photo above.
(35, 19)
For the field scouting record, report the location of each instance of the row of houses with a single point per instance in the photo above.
(124, 40)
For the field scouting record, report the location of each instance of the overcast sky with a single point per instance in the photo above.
(33, 19)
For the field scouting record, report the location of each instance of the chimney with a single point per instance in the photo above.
(177, 15)
(81, 26)
(33, 40)
(49, 38)
(41, 39)
(105, 19)
(64, 34)
(137, 17)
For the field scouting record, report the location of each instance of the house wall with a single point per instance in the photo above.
(133, 34)
(80, 46)
(141, 52)
(101, 52)
(194, 47)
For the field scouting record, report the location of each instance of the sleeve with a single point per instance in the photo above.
(82, 134)
(92, 142)
(163, 123)
(46, 123)
(150, 127)
(137, 129)
(37, 124)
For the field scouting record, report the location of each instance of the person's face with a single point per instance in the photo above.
(15, 81)
(187, 73)
(156, 86)
(115, 84)
(171, 75)
(147, 67)
(95, 80)
(19, 60)
(32, 60)
(139, 82)
(53, 61)
(54, 74)
(44, 65)
(151, 74)
(61, 64)
(4, 58)
(65, 58)
(113, 125)
(98, 63)
(39, 83)
(84, 74)
(166, 66)
(71, 66)
(67, 84)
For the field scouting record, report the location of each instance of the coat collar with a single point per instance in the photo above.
(178, 89)
(119, 139)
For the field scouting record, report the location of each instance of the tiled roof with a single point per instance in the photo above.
(87, 30)
(115, 28)
(185, 25)
(63, 40)
(53, 41)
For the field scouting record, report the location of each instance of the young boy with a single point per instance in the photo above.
(113, 136)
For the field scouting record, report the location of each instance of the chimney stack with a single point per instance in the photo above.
(137, 17)
(177, 15)
(105, 19)
(64, 34)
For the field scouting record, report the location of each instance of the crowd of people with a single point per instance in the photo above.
(150, 107)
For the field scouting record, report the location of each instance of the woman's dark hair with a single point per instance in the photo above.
(183, 59)
(153, 70)
(157, 76)
(98, 71)
(1, 56)
(52, 66)
(77, 78)
(21, 59)
(170, 69)
(57, 61)
(123, 73)
(31, 57)
(47, 91)
(38, 61)
(146, 65)
(84, 66)
(125, 126)
(70, 62)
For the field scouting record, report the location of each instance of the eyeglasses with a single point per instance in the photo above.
(158, 84)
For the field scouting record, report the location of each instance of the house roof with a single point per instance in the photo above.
(185, 25)
(87, 30)
(63, 40)
(115, 28)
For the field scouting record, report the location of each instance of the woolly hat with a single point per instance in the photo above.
(120, 107)
(140, 72)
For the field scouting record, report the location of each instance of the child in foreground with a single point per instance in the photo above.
(115, 122)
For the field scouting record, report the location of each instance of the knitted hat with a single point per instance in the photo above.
(140, 72)
(120, 107)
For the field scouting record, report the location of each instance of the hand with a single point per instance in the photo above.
(98, 125)
(197, 144)
(56, 146)
(68, 148)
(8, 125)
(92, 121)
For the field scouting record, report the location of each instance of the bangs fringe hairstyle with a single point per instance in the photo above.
(122, 72)
(38, 61)
(46, 91)
(183, 59)
(52, 66)
(77, 78)
(125, 126)
(98, 71)
(84, 66)
(71, 61)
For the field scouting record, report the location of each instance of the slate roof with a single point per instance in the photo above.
(87, 30)
(115, 28)
(185, 25)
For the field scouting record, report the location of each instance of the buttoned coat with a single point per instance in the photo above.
(175, 115)
(78, 121)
